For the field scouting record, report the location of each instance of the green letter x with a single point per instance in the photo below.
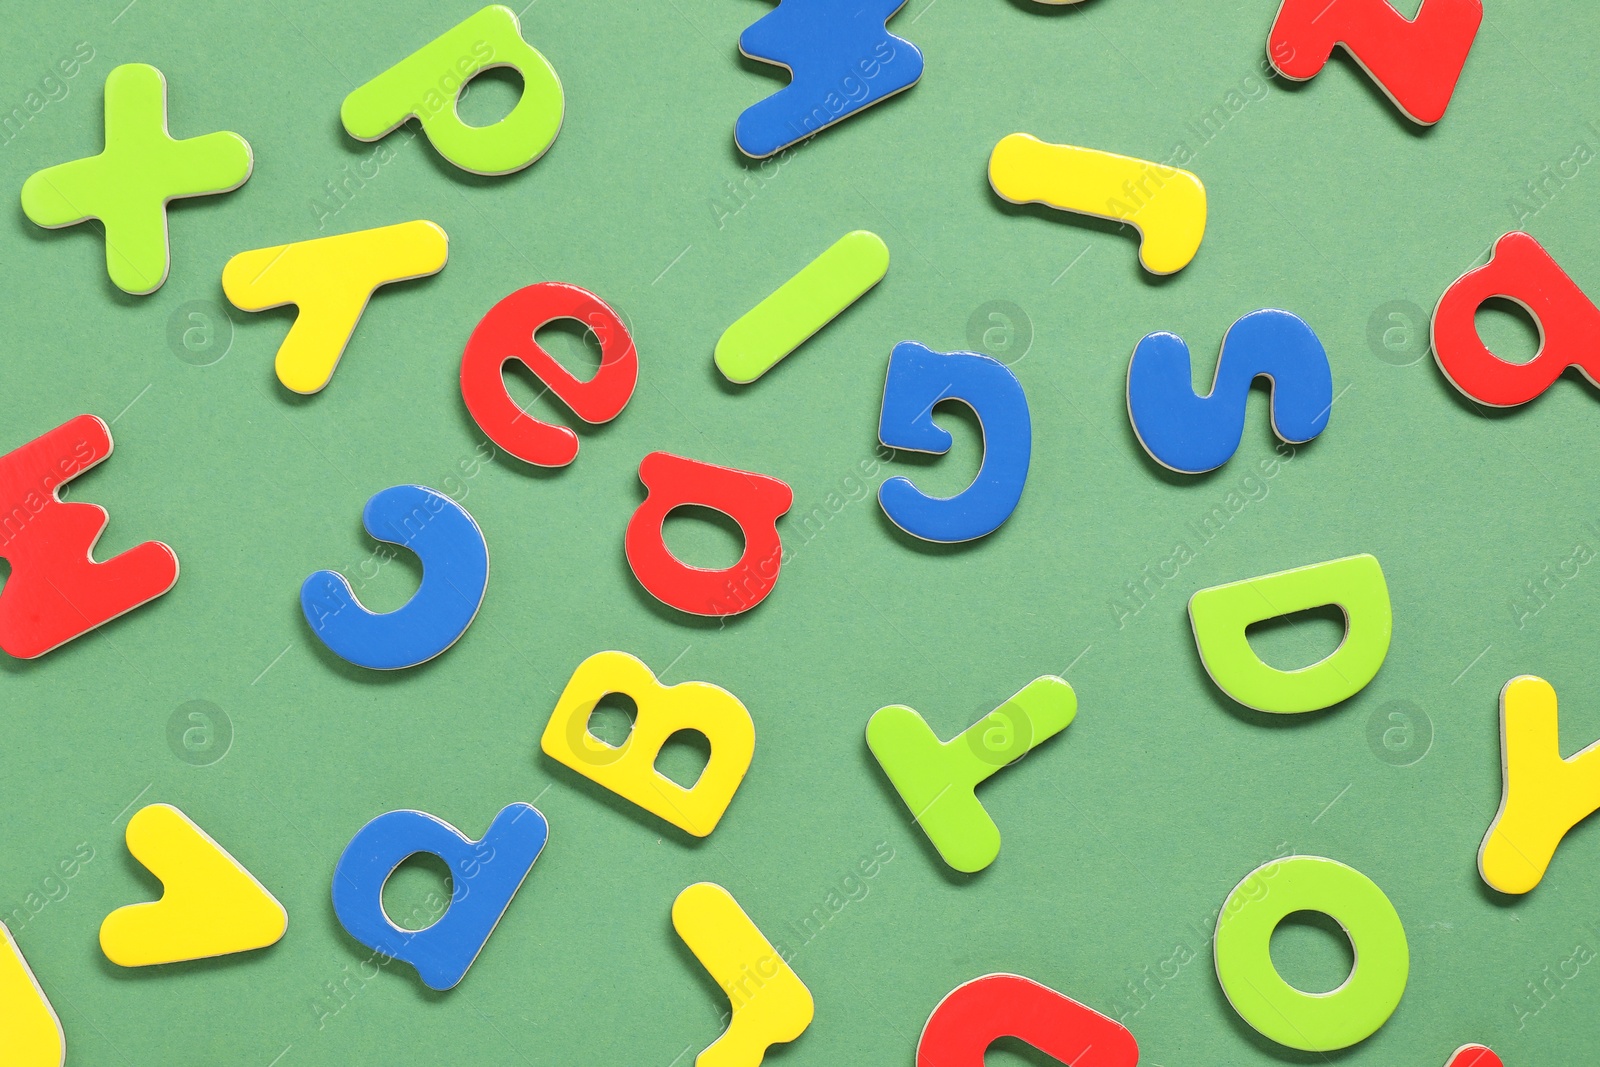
(127, 185)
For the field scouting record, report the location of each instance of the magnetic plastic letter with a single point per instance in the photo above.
(1220, 615)
(455, 575)
(506, 333)
(56, 590)
(1165, 204)
(1519, 269)
(210, 905)
(330, 279)
(1416, 62)
(1311, 1022)
(1543, 795)
(975, 1014)
(843, 59)
(754, 501)
(426, 85)
(1192, 434)
(484, 875)
(1474, 1056)
(920, 378)
(629, 769)
(770, 1003)
(801, 306)
(937, 779)
(32, 1028)
(127, 186)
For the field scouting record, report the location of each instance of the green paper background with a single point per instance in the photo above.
(1122, 837)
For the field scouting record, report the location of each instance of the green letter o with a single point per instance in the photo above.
(1314, 1022)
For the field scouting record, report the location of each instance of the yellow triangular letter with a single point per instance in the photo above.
(211, 906)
